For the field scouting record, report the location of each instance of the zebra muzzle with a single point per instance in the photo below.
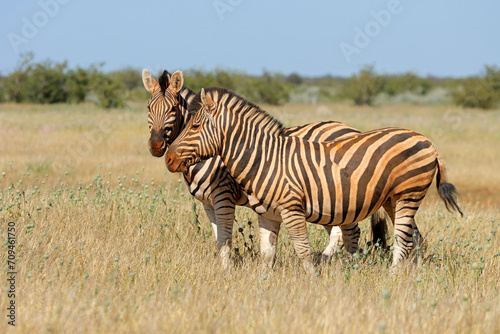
(157, 147)
(174, 164)
(157, 143)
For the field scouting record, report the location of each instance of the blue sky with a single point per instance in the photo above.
(443, 38)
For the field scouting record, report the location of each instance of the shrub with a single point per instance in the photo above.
(78, 85)
(197, 79)
(479, 92)
(129, 79)
(46, 82)
(107, 92)
(268, 88)
(2, 89)
(362, 87)
(294, 78)
(49, 82)
(409, 82)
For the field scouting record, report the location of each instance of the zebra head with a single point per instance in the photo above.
(164, 114)
(199, 139)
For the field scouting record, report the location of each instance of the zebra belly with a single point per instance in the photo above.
(268, 211)
(336, 196)
(318, 215)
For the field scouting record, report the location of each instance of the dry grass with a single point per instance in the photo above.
(108, 241)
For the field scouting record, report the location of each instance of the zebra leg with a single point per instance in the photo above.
(418, 242)
(378, 222)
(224, 214)
(221, 228)
(350, 236)
(269, 231)
(335, 243)
(209, 210)
(404, 230)
(295, 223)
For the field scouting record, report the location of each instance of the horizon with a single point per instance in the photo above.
(102, 66)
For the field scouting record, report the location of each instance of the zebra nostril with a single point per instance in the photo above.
(169, 158)
(155, 144)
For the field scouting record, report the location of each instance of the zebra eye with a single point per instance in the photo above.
(195, 126)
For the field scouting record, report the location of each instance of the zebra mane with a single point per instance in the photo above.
(240, 105)
(186, 95)
(164, 81)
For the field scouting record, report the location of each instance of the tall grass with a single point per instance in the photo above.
(108, 241)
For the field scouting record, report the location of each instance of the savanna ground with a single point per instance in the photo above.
(108, 241)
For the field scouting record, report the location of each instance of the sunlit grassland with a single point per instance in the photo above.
(109, 241)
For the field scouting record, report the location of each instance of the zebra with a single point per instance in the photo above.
(209, 181)
(336, 183)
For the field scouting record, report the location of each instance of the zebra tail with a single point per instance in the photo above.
(379, 228)
(446, 190)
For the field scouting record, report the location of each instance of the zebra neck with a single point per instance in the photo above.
(250, 153)
(185, 97)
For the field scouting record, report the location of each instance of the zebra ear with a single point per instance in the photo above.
(176, 82)
(148, 81)
(207, 100)
(203, 96)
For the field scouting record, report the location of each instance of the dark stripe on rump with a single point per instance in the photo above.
(415, 172)
(354, 162)
(393, 163)
(416, 189)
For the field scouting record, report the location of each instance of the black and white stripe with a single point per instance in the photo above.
(337, 183)
(210, 182)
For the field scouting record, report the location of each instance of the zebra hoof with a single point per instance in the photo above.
(326, 258)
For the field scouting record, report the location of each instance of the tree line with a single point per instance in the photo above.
(52, 82)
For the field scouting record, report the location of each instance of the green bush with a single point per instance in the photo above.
(197, 79)
(3, 98)
(46, 83)
(409, 82)
(49, 82)
(13, 89)
(107, 91)
(78, 84)
(52, 82)
(129, 79)
(479, 92)
(268, 88)
(294, 79)
(362, 87)
(43, 82)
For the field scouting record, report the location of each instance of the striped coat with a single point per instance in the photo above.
(210, 182)
(337, 183)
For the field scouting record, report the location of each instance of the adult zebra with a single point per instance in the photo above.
(337, 183)
(209, 181)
